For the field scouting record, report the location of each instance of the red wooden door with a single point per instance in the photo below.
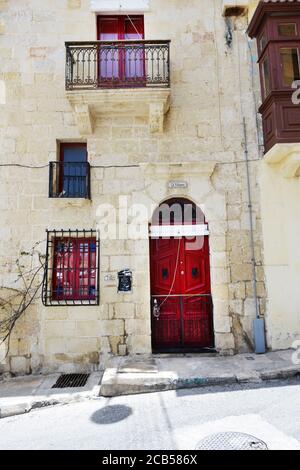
(180, 286)
(118, 63)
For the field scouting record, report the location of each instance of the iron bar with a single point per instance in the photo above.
(75, 283)
(69, 180)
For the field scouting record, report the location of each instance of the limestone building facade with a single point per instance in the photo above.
(170, 116)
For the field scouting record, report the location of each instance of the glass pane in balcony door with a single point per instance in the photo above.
(290, 65)
(109, 63)
(134, 55)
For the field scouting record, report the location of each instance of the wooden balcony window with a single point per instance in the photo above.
(276, 27)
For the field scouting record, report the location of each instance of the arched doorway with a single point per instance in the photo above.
(181, 304)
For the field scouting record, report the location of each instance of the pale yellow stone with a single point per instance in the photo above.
(82, 345)
(138, 327)
(38, 52)
(87, 328)
(241, 272)
(74, 4)
(3, 4)
(112, 328)
(140, 344)
(60, 329)
(224, 341)
(55, 345)
(124, 310)
(57, 313)
(222, 324)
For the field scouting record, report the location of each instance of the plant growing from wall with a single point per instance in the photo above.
(22, 292)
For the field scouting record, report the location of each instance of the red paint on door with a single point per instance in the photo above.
(180, 283)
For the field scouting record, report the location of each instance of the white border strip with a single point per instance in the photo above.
(120, 6)
(179, 231)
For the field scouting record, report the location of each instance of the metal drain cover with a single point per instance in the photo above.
(231, 441)
(71, 381)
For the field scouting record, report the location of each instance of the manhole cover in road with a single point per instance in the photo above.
(231, 441)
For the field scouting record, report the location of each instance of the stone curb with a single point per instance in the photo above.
(7, 411)
(112, 387)
(14, 410)
(280, 373)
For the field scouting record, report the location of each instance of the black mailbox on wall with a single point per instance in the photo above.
(125, 280)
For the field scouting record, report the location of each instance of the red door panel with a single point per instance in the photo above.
(163, 260)
(196, 262)
(167, 330)
(197, 324)
(183, 294)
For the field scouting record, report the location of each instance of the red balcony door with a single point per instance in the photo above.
(180, 285)
(116, 63)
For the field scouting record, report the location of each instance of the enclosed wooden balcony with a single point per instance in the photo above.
(128, 77)
(276, 27)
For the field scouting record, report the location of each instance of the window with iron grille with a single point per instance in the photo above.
(72, 268)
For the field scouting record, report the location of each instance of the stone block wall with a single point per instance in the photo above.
(213, 87)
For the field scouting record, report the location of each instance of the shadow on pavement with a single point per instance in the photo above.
(111, 414)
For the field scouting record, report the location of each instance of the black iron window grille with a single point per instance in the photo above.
(117, 64)
(69, 180)
(72, 268)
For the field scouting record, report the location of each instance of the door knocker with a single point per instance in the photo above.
(156, 309)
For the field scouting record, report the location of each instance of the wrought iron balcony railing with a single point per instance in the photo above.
(117, 64)
(69, 180)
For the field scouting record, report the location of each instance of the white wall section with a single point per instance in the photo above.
(120, 5)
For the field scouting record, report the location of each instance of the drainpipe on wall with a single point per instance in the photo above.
(259, 322)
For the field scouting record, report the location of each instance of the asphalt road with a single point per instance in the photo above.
(162, 421)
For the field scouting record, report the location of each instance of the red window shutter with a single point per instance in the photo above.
(112, 28)
(74, 269)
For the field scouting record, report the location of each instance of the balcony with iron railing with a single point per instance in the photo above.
(106, 76)
(69, 180)
(119, 64)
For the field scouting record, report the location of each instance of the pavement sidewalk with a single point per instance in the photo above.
(23, 394)
(143, 374)
(127, 376)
